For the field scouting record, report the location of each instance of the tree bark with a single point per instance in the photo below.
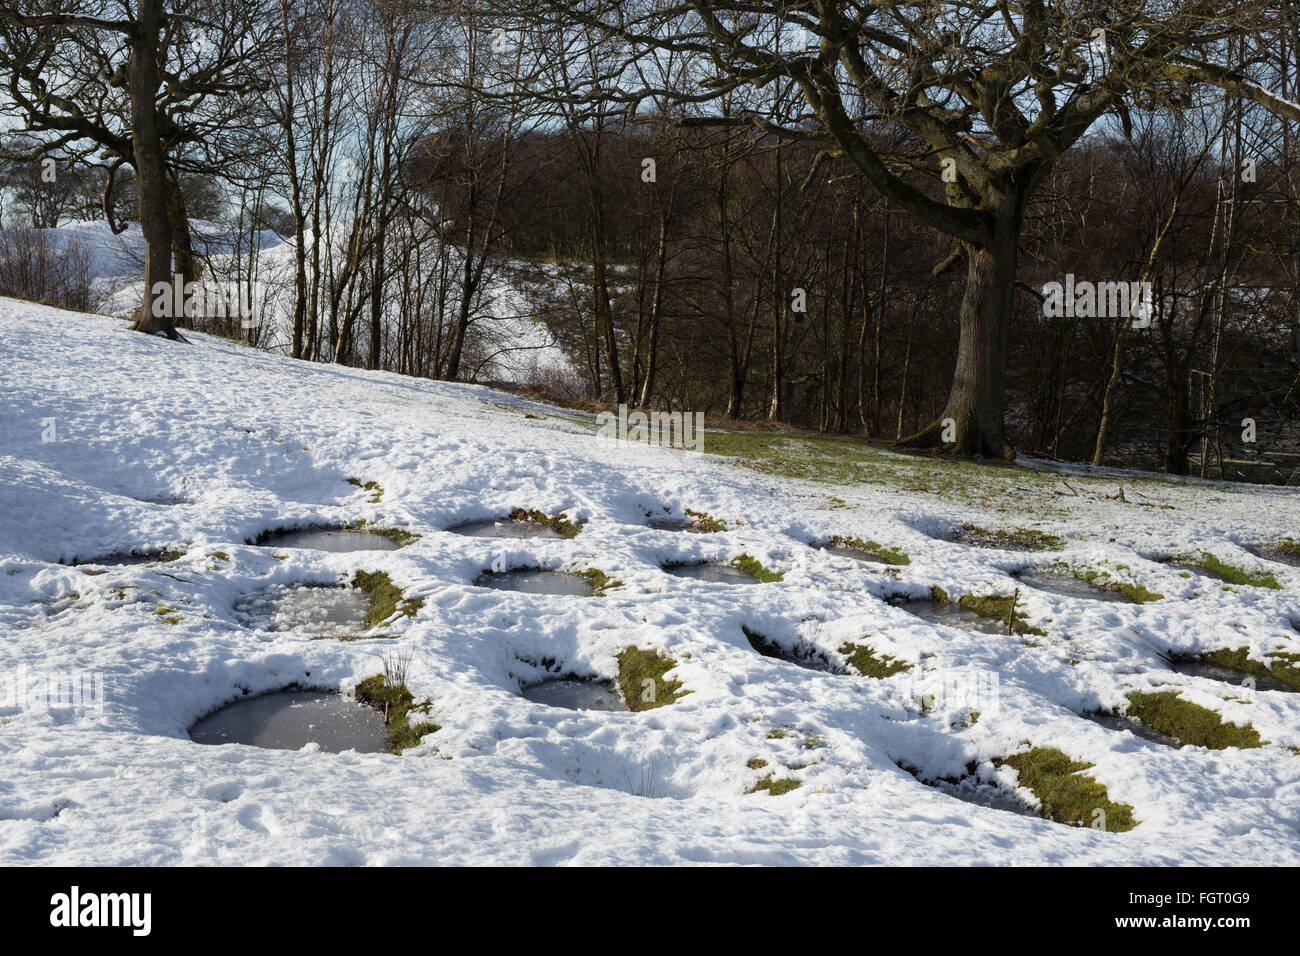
(972, 417)
(150, 167)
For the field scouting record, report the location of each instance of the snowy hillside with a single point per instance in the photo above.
(112, 442)
(514, 346)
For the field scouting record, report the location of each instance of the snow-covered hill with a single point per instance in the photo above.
(508, 344)
(98, 425)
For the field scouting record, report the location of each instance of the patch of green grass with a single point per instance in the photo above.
(1285, 667)
(1233, 574)
(756, 763)
(1136, 593)
(775, 786)
(1289, 546)
(377, 493)
(938, 594)
(642, 681)
(220, 555)
(600, 582)
(168, 614)
(400, 535)
(704, 522)
(1026, 538)
(755, 569)
(777, 733)
(1067, 795)
(396, 702)
(558, 523)
(891, 555)
(1169, 714)
(385, 597)
(351, 638)
(867, 663)
(1002, 607)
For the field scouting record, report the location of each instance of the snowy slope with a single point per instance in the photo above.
(252, 441)
(509, 344)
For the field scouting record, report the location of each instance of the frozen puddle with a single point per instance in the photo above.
(846, 551)
(971, 790)
(1199, 668)
(803, 654)
(505, 528)
(575, 694)
(536, 582)
(337, 540)
(673, 524)
(1272, 553)
(313, 609)
(1118, 722)
(713, 573)
(291, 719)
(126, 558)
(1054, 582)
(950, 614)
(678, 523)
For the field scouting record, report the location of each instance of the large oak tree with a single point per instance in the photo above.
(988, 93)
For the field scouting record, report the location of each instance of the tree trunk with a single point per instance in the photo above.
(972, 417)
(179, 218)
(150, 168)
(656, 312)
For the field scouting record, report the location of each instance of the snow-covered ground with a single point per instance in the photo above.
(97, 421)
(507, 343)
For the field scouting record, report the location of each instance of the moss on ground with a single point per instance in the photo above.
(642, 681)
(600, 581)
(870, 664)
(397, 704)
(704, 522)
(1067, 796)
(1136, 593)
(1169, 714)
(1285, 667)
(169, 615)
(1232, 573)
(1002, 607)
(887, 554)
(1026, 538)
(775, 786)
(560, 523)
(755, 569)
(399, 535)
(376, 492)
(385, 597)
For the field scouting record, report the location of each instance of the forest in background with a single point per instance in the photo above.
(747, 270)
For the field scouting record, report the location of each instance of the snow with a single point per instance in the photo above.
(255, 440)
(507, 343)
